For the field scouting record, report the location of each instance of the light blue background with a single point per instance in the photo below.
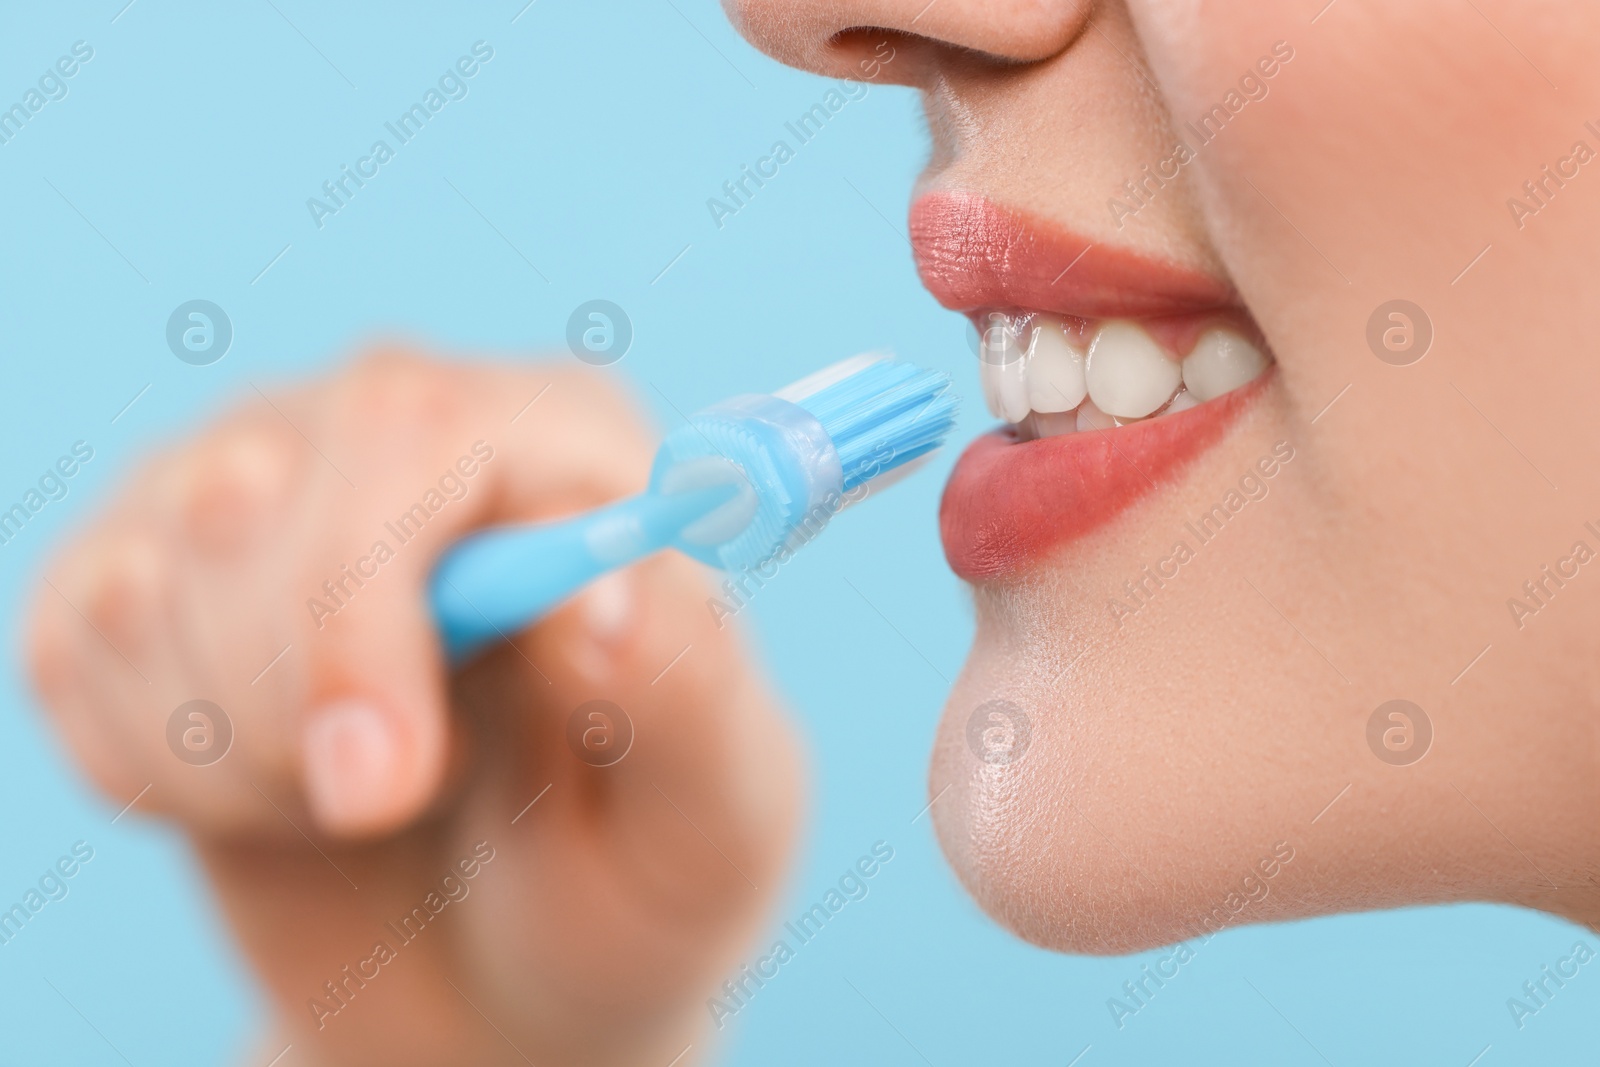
(592, 141)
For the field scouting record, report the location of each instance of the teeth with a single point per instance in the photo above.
(1182, 402)
(1092, 418)
(1002, 365)
(1055, 369)
(1054, 423)
(1221, 362)
(989, 356)
(1050, 386)
(1129, 375)
(1013, 390)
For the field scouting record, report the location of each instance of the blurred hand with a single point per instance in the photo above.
(369, 826)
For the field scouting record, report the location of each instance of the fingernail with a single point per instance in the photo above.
(351, 757)
(606, 617)
(608, 606)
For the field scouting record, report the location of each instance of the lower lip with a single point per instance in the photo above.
(1010, 502)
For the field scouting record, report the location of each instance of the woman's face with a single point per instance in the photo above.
(1191, 624)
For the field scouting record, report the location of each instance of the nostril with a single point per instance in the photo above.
(974, 33)
(908, 41)
(874, 41)
(883, 55)
(875, 53)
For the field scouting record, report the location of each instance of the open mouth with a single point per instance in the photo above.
(1049, 375)
(1110, 370)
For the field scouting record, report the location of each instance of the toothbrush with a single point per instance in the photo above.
(740, 482)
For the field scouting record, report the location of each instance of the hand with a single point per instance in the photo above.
(369, 827)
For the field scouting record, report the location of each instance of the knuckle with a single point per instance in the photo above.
(593, 406)
(125, 589)
(403, 391)
(389, 363)
(594, 389)
(157, 491)
(233, 483)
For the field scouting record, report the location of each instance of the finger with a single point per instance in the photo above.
(671, 795)
(376, 733)
(64, 658)
(706, 799)
(129, 587)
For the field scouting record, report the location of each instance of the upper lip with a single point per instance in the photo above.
(973, 255)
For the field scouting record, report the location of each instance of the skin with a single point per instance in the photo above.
(1169, 755)
(611, 908)
(1171, 750)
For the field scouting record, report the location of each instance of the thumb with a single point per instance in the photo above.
(374, 742)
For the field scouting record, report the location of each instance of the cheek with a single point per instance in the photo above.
(1198, 55)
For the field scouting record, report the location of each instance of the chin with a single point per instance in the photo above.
(1097, 840)
(1105, 784)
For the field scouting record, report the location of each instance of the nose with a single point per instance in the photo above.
(908, 42)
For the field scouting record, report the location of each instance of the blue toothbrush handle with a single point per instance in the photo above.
(494, 583)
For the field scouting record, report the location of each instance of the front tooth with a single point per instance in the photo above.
(1055, 369)
(1221, 362)
(1013, 389)
(991, 390)
(988, 363)
(1128, 375)
(1002, 369)
(1054, 423)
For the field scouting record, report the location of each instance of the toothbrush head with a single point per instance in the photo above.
(799, 456)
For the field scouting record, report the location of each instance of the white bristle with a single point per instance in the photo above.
(833, 373)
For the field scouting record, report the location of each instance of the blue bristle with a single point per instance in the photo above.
(883, 416)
